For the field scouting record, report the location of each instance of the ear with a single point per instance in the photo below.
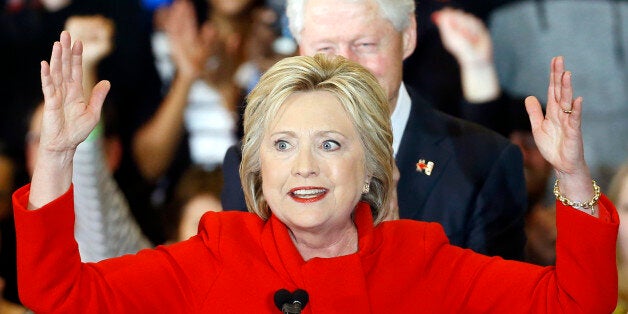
(409, 37)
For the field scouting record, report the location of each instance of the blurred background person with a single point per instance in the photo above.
(29, 29)
(435, 70)
(593, 36)
(199, 47)
(435, 153)
(540, 221)
(467, 40)
(8, 269)
(618, 193)
(196, 193)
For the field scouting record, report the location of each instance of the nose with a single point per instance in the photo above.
(347, 52)
(305, 163)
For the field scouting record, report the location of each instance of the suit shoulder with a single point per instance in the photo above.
(471, 131)
(438, 125)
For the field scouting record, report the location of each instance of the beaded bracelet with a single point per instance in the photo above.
(588, 205)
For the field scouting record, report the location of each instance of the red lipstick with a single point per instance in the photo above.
(308, 194)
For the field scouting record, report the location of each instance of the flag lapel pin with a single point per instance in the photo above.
(425, 166)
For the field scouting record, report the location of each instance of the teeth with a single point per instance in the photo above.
(308, 192)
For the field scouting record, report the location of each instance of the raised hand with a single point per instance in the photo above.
(466, 37)
(558, 135)
(95, 33)
(191, 48)
(67, 119)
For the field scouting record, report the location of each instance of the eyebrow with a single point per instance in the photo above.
(317, 133)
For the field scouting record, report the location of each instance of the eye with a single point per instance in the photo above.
(326, 50)
(330, 145)
(367, 46)
(282, 145)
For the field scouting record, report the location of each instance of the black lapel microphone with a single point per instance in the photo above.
(291, 303)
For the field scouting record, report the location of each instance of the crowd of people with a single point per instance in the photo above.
(146, 115)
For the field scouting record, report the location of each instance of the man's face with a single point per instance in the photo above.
(356, 31)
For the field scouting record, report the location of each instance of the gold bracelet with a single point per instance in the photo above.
(588, 205)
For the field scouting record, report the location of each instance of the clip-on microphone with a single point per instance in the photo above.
(291, 303)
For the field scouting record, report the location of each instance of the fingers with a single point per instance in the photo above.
(65, 68)
(65, 61)
(535, 112)
(55, 64)
(576, 112)
(560, 90)
(181, 19)
(77, 62)
(66, 56)
(47, 85)
(99, 92)
(566, 92)
(557, 70)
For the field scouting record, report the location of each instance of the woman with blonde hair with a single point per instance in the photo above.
(317, 169)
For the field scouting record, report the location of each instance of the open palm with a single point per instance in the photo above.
(558, 134)
(68, 117)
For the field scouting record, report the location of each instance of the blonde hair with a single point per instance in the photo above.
(358, 92)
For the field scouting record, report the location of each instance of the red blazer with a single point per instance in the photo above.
(237, 262)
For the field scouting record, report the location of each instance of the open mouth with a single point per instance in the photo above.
(307, 194)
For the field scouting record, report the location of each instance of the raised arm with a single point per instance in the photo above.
(559, 138)
(466, 37)
(584, 279)
(67, 120)
(104, 225)
(156, 142)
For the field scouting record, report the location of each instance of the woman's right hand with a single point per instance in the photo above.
(68, 118)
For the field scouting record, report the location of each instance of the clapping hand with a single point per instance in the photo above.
(191, 47)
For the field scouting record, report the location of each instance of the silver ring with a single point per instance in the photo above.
(567, 111)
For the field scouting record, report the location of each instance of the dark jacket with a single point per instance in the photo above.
(476, 188)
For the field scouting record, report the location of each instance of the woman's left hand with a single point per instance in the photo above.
(558, 135)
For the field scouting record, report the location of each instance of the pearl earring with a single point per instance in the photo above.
(366, 188)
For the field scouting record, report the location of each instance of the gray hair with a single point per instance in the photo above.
(397, 12)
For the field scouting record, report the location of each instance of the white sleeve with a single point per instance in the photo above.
(104, 225)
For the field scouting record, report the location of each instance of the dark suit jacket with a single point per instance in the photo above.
(476, 189)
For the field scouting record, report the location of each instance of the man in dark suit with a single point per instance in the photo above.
(453, 172)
